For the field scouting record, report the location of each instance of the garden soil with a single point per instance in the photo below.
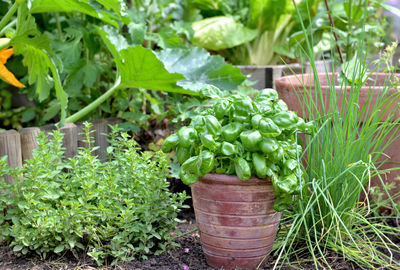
(188, 256)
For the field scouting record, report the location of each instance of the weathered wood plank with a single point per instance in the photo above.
(101, 128)
(28, 141)
(48, 128)
(70, 140)
(10, 145)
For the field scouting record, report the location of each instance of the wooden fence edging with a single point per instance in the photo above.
(18, 146)
(28, 141)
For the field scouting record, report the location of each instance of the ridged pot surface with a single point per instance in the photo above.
(236, 219)
(291, 90)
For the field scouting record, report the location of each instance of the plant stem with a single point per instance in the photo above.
(59, 29)
(333, 30)
(78, 115)
(4, 21)
(186, 233)
(11, 24)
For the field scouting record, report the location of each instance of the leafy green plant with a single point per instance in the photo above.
(92, 57)
(352, 22)
(380, 201)
(248, 31)
(243, 136)
(9, 116)
(160, 23)
(357, 20)
(118, 210)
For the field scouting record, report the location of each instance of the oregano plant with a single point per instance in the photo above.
(114, 211)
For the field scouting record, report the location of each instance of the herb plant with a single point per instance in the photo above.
(246, 137)
(118, 210)
(340, 161)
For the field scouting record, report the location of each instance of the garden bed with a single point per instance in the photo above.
(188, 256)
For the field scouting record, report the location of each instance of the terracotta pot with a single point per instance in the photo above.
(236, 219)
(290, 90)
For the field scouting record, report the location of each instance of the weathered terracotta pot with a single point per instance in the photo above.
(236, 219)
(290, 90)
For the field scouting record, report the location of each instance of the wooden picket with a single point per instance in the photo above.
(18, 146)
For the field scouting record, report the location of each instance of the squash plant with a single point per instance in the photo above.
(103, 48)
(246, 137)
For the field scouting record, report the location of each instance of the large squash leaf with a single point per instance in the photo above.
(201, 69)
(140, 67)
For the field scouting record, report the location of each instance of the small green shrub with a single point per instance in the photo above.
(119, 210)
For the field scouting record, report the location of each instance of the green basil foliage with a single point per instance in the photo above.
(246, 137)
(115, 211)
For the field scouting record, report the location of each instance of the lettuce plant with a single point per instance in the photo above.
(248, 31)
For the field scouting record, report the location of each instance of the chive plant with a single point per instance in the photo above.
(340, 160)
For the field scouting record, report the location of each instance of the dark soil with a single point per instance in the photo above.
(188, 256)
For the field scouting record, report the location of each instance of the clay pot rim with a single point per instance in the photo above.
(224, 179)
(295, 82)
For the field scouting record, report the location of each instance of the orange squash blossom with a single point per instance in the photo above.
(5, 74)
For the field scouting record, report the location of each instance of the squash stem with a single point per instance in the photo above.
(78, 115)
(4, 21)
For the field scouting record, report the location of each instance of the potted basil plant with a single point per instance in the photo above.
(241, 159)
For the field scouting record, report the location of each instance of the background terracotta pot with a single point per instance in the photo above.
(290, 90)
(236, 219)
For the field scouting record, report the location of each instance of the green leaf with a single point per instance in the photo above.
(28, 115)
(118, 6)
(69, 51)
(287, 184)
(389, 8)
(167, 38)
(52, 111)
(139, 67)
(354, 70)
(242, 168)
(265, 14)
(221, 32)
(90, 73)
(201, 69)
(17, 248)
(59, 248)
(37, 58)
(82, 6)
(74, 80)
(136, 31)
(114, 42)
